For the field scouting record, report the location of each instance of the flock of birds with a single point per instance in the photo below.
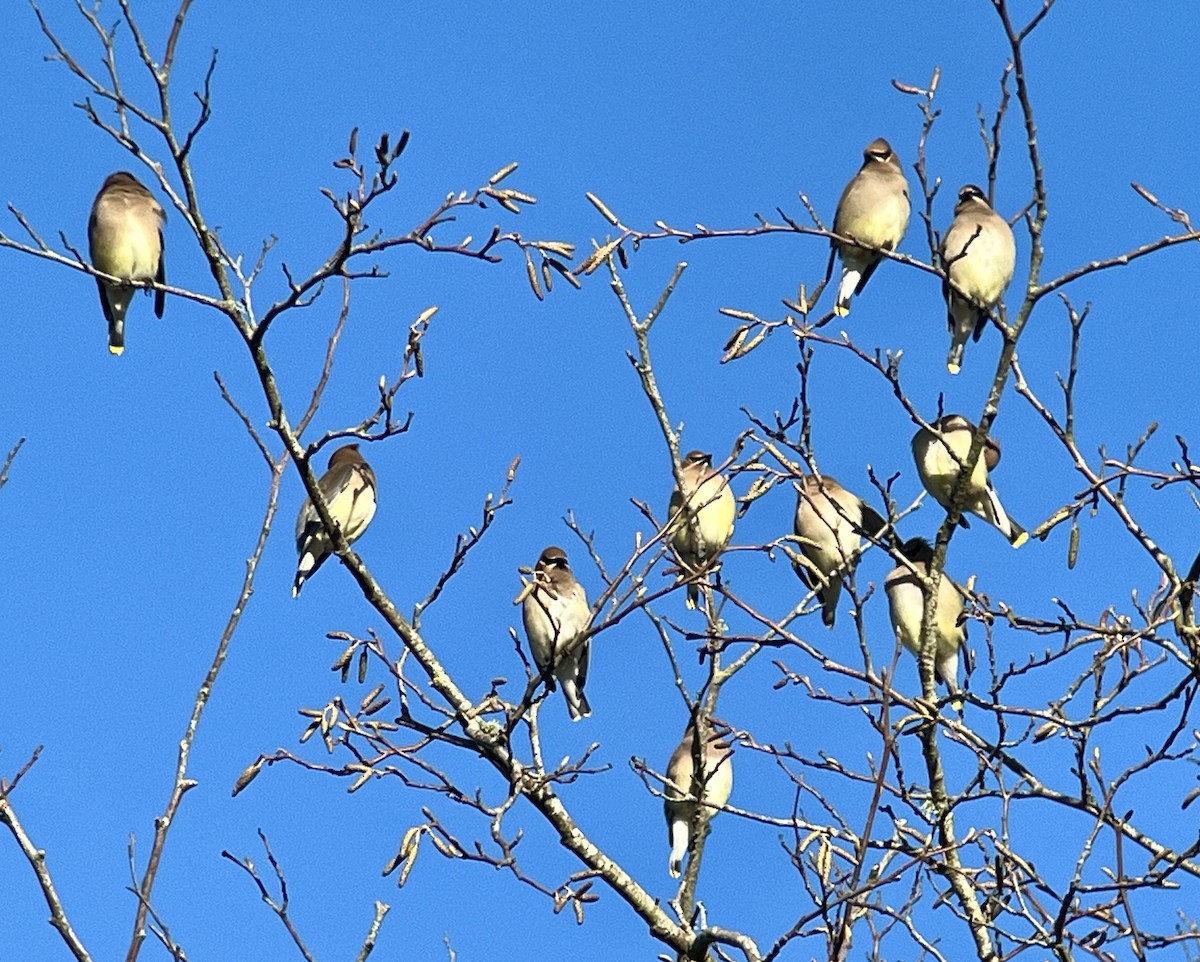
(978, 258)
(830, 526)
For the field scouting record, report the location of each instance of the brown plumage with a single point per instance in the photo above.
(348, 487)
(830, 523)
(555, 613)
(704, 528)
(874, 209)
(940, 454)
(906, 604)
(979, 256)
(125, 240)
(712, 785)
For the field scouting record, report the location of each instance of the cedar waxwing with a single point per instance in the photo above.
(555, 611)
(874, 209)
(348, 487)
(939, 461)
(906, 601)
(125, 240)
(978, 255)
(684, 785)
(702, 529)
(830, 522)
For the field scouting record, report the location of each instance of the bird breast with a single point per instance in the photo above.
(941, 469)
(553, 618)
(353, 508)
(986, 269)
(882, 224)
(907, 603)
(825, 534)
(136, 251)
(718, 784)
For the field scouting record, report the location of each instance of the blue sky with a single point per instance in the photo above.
(137, 497)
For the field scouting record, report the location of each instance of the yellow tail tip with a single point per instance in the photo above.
(1020, 539)
(116, 351)
(952, 367)
(841, 310)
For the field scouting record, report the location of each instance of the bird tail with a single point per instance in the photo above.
(693, 597)
(996, 516)
(679, 845)
(957, 702)
(946, 671)
(116, 337)
(114, 300)
(958, 343)
(1019, 535)
(307, 565)
(828, 596)
(847, 289)
(577, 703)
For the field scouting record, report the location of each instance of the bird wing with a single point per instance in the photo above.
(872, 523)
(160, 297)
(999, 518)
(334, 485)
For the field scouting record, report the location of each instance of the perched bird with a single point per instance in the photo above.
(125, 240)
(939, 460)
(555, 611)
(830, 523)
(701, 514)
(906, 601)
(978, 256)
(873, 210)
(348, 487)
(684, 785)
